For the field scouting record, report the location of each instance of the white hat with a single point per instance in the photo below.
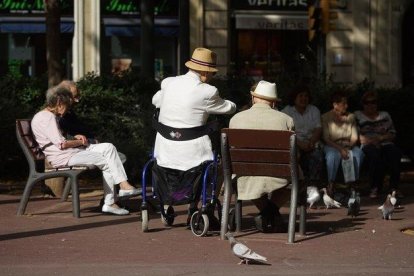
(203, 60)
(265, 90)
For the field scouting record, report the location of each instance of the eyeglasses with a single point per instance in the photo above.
(370, 102)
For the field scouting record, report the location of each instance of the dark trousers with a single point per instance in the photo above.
(379, 159)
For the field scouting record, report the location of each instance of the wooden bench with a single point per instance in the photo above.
(36, 160)
(247, 152)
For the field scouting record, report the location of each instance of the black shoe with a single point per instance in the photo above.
(269, 218)
(258, 221)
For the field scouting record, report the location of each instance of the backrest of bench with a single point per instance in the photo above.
(27, 142)
(260, 152)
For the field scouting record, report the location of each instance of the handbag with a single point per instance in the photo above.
(348, 168)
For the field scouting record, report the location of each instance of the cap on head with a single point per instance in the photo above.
(265, 90)
(203, 60)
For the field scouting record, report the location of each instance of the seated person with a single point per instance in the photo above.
(62, 152)
(377, 133)
(308, 129)
(69, 123)
(260, 188)
(185, 102)
(340, 135)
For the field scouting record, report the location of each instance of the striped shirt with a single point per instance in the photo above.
(381, 125)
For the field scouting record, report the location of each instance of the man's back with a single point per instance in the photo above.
(186, 102)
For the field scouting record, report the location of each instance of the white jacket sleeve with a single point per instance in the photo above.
(216, 105)
(157, 98)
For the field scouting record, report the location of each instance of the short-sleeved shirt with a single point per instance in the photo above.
(340, 134)
(46, 130)
(381, 125)
(304, 123)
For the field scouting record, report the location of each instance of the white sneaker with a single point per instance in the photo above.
(132, 192)
(115, 211)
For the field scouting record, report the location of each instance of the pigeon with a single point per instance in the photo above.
(243, 252)
(329, 201)
(387, 208)
(313, 195)
(393, 198)
(354, 203)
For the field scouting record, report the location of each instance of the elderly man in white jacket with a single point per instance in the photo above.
(186, 101)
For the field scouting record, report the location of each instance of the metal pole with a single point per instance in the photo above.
(78, 38)
(147, 39)
(184, 35)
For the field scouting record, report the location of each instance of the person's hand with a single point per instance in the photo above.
(344, 153)
(83, 139)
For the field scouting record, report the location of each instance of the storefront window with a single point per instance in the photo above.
(122, 29)
(265, 54)
(125, 54)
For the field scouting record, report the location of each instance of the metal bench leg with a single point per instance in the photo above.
(31, 181)
(75, 196)
(66, 190)
(238, 215)
(292, 214)
(302, 220)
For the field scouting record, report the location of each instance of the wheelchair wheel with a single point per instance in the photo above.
(168, 220)
(144, 220)
(199, 225)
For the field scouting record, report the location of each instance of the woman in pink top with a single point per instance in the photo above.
(62, 152)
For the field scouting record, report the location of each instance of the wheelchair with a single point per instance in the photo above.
(199, 220)
(197, 186)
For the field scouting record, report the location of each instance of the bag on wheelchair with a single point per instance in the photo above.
(175, 187)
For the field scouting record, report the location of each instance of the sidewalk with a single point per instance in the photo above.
(49, 241)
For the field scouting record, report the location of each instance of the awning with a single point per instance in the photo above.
(32, 25)
(272, 21)
(132, 26)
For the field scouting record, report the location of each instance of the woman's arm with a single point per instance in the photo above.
(78, 142)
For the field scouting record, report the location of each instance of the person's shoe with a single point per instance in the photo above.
(258, 222)
(374, 193)
(330, 189)
(266, 219)
(132, 192)
(114, 210)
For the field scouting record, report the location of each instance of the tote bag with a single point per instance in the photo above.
(348, 168)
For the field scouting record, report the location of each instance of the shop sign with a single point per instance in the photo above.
(275, 5)
(271, 22)
(132, 7)
(32, 7)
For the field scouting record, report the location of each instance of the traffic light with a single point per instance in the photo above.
(327, 15)
(314, 18)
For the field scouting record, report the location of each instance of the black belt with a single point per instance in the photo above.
(184, 134)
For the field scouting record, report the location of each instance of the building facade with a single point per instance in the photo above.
(256, 38)
(372, 39)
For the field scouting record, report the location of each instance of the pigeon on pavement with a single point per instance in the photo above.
(393, 198)
(329, 201)
(387, 208)
(243, 252)
(313, 195)
(354, 204)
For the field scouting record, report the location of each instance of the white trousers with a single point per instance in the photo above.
(106, 158)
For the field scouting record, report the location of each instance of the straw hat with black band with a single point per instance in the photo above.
(203, 60)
